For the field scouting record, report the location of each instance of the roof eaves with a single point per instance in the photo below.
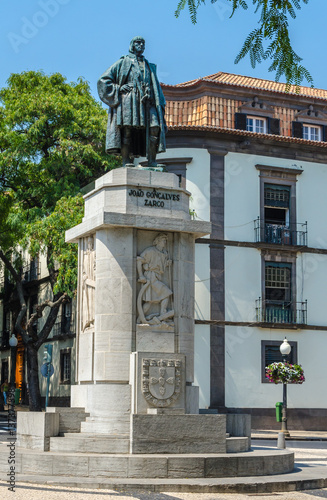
(207, 79)
(280, 138)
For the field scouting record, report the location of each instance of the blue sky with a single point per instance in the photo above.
(84, 37)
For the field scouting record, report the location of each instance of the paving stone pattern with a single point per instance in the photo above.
(38, 492)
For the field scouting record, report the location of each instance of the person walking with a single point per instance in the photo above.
(4, 390)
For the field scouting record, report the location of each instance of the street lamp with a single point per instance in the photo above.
(13, 345)
(285, 349)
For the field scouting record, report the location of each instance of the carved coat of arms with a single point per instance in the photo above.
(161, 381)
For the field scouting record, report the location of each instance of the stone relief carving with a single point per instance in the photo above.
(161, 381)
(154, 296)
(88, 285)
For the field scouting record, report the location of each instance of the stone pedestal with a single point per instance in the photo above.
(135, 351)
(135, 336)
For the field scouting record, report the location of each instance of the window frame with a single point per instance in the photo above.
(280, 278)
(273, 343)
(63, 354)
(259, 118)
(274, 257)
(4, 369)
(278, 176)
(310, 127)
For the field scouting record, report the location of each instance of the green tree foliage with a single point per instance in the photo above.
(47, 235)
(270, 40)
(52, 137)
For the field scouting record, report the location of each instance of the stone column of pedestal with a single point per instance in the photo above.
(124, 215)
(104, 346)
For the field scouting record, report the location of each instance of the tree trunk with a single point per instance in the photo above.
(33, 378)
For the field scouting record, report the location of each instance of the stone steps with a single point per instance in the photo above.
(81, 443)
(104, 443)
(237, 444)
(111, 426)
(102, 466)
(74, 435)
(70, 419)
(299, 480)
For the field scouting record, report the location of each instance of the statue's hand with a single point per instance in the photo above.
(124, 89)
(141, 279)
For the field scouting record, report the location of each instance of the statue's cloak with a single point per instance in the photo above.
(128, 109)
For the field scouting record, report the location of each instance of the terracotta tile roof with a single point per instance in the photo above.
(204, 111)
(216, 111)
(233, 131)
(255, 83)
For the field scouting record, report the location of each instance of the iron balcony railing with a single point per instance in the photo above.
(4, 339)
(63, 325)
(281, 312)
(280, 234)
(31, 271)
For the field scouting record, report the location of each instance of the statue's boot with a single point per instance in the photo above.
(152, 151)
(126, 150)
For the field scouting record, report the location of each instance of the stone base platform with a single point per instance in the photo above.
(308, 478)
(105, 443)
(142, 466)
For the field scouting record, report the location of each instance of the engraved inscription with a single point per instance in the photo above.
(154, 198)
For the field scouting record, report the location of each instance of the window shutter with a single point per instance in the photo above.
(273, 126)
(277, 196)
(324, 133)
(273, 355)
(240, 121)
(297, 129)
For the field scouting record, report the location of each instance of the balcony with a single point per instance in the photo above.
(280, 234)
(291, 313)
(64, 325)
(31, 271)
(4, 339)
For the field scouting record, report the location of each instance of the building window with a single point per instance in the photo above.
(255, 124)
(8, 321)
(311, 132)
(4, 370)
(270, 353)
(65, 322)
(32, 306)
(277, 214)
(277, 221)
(278, 283)
(34, 268)
(65, 366)
(278, 304)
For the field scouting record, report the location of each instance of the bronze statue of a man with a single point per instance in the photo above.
(136, 122)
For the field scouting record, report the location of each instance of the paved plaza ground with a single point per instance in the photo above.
(310, 449)
(309, 454)
(37, 492)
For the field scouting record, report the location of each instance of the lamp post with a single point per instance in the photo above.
(285, 349)
(13, 345)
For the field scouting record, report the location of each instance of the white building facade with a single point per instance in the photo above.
(255, 160)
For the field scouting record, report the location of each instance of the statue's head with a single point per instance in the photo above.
(161, 240)
(137, 45)
(90, 243)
